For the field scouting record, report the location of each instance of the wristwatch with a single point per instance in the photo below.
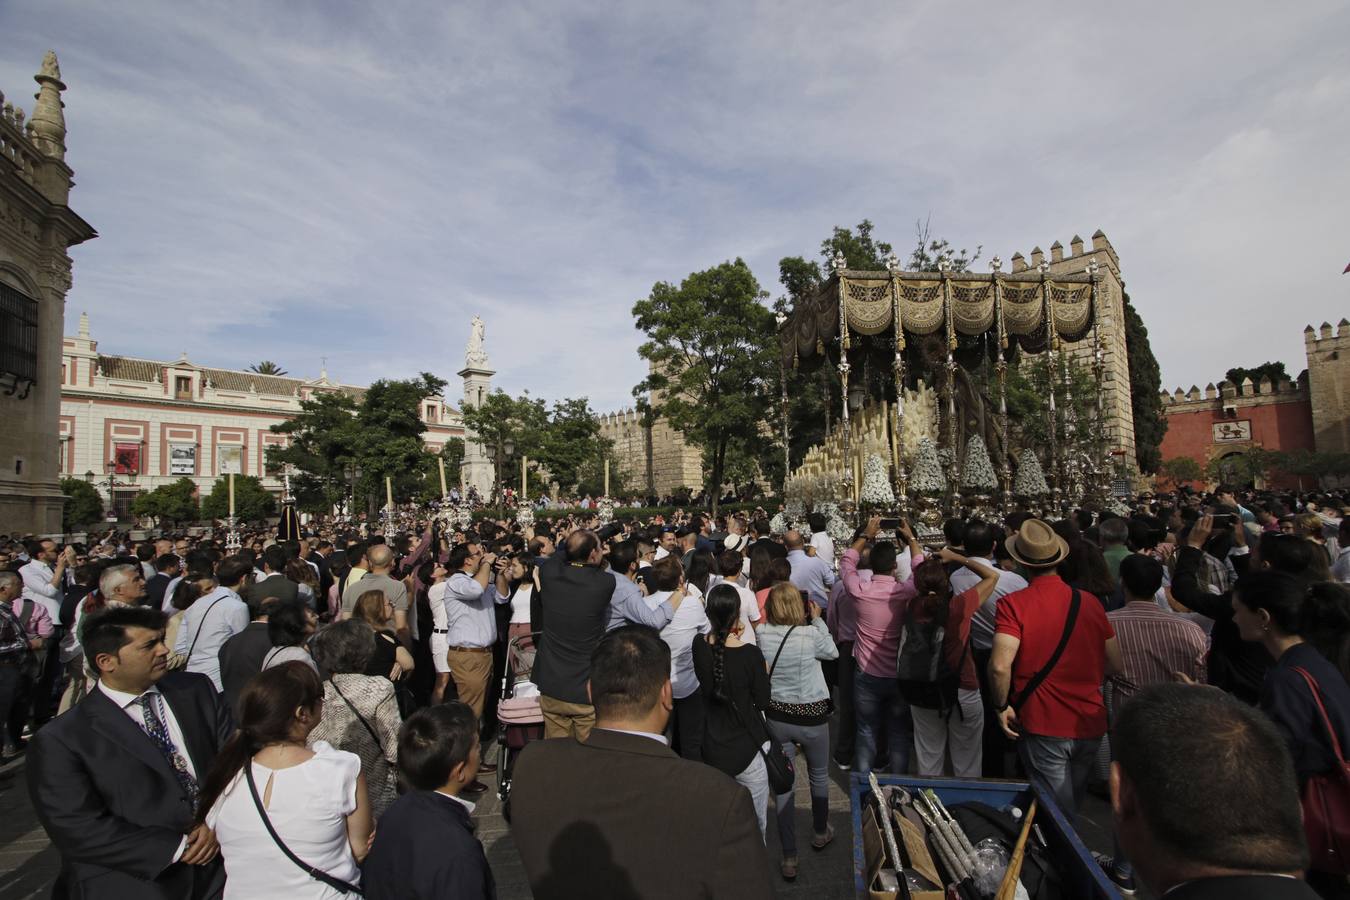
(999, 709)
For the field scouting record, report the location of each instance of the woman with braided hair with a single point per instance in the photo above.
(734, 683)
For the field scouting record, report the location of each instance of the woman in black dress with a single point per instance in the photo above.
(390, 658)
(735, 685)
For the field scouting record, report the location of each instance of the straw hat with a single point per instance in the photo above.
(1037, 546)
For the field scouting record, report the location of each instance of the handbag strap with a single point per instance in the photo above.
(357, 713)
(312, 871)
(200, 625)
(1326, 720)
(1036, 680)
(774, 665)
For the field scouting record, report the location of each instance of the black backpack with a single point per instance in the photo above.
(925, 677)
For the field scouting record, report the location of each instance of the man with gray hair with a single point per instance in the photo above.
(121, 585)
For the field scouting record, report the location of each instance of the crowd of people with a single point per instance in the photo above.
(315, 717)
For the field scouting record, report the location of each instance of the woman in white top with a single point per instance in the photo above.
(313, 797)
(435, 574)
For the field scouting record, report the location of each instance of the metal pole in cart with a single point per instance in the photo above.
(884, 815)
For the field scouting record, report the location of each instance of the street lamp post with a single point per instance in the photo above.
(110, 483)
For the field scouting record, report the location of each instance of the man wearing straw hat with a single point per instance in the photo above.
(1052, 647)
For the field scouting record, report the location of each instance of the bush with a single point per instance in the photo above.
(84, 504)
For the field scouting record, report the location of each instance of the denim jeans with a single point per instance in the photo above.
(1063, 764)
(877, 701)
(755, 777)
(848, 723)
(815, 740)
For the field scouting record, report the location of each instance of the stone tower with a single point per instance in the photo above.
(477, 374)
(36, 229)
(1111, 293)
(1329, 386)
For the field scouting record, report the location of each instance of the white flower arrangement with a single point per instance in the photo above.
(525, 515)
(778, 524)
(978, 473)
(927, 477)
(1030, 480)
(604, 508)
(839, 530)
(876, 487)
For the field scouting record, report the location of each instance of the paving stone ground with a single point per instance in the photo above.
(29, 864)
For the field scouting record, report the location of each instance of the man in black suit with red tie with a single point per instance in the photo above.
(1205, 800)
(620, 814)
(115, 780)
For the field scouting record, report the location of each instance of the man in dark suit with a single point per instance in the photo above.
(572, 608)
(1205, 800)
(620, 814)
(275, 584)
(115, 780)
(241, 656)
(425, 846)
(167, 568)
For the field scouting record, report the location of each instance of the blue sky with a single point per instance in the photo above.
(355, 181)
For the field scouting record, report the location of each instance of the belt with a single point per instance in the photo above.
(440, 631)
(470, 649)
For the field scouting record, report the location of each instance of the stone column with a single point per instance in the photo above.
(477, 374)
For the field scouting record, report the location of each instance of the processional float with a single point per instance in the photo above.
(922, 428)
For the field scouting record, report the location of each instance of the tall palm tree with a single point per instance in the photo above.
(267, 367)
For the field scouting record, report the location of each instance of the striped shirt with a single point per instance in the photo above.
(1154, 645)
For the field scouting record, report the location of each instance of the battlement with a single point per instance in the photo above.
(1248, 392)
(1060, 261)
(624, 418)
(1322, 339)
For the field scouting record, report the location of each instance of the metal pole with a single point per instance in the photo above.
(1051, 417)
(897, 430)
(1001, 369)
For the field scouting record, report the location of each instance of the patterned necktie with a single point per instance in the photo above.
(155, 728)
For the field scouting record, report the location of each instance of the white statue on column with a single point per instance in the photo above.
(474, 353)
(478, 469)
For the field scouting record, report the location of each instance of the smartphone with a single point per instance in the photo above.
(1224, 520)
(889, 523)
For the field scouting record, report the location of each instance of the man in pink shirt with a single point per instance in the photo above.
(879, 605)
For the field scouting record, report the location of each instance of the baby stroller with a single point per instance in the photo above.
(519, 718)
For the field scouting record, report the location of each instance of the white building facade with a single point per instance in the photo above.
(130, 425)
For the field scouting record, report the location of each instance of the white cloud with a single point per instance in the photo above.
(355, 181)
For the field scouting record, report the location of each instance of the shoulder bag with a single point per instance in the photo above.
(314, 872)
(373, 736)
(1036, 680)
(782, 775)
(1326, 801)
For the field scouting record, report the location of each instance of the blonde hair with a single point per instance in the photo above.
(369, 608)
(784, 605)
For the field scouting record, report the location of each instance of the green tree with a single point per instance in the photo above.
(1181, 470)
(173, 502)
(252, 501)
(1029, 399)
(928, 250)
(710, 341)
(1150, 425)
(321, 447)
(1272, 370)
(84, 504)
(267, 367)
(389, 438)
(508, 427)
(572, 449)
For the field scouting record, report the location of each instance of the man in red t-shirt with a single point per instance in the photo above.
(1059, 723)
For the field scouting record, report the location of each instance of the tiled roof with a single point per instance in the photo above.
(129, 369)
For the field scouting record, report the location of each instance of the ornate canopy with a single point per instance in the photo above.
(1013, 306)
